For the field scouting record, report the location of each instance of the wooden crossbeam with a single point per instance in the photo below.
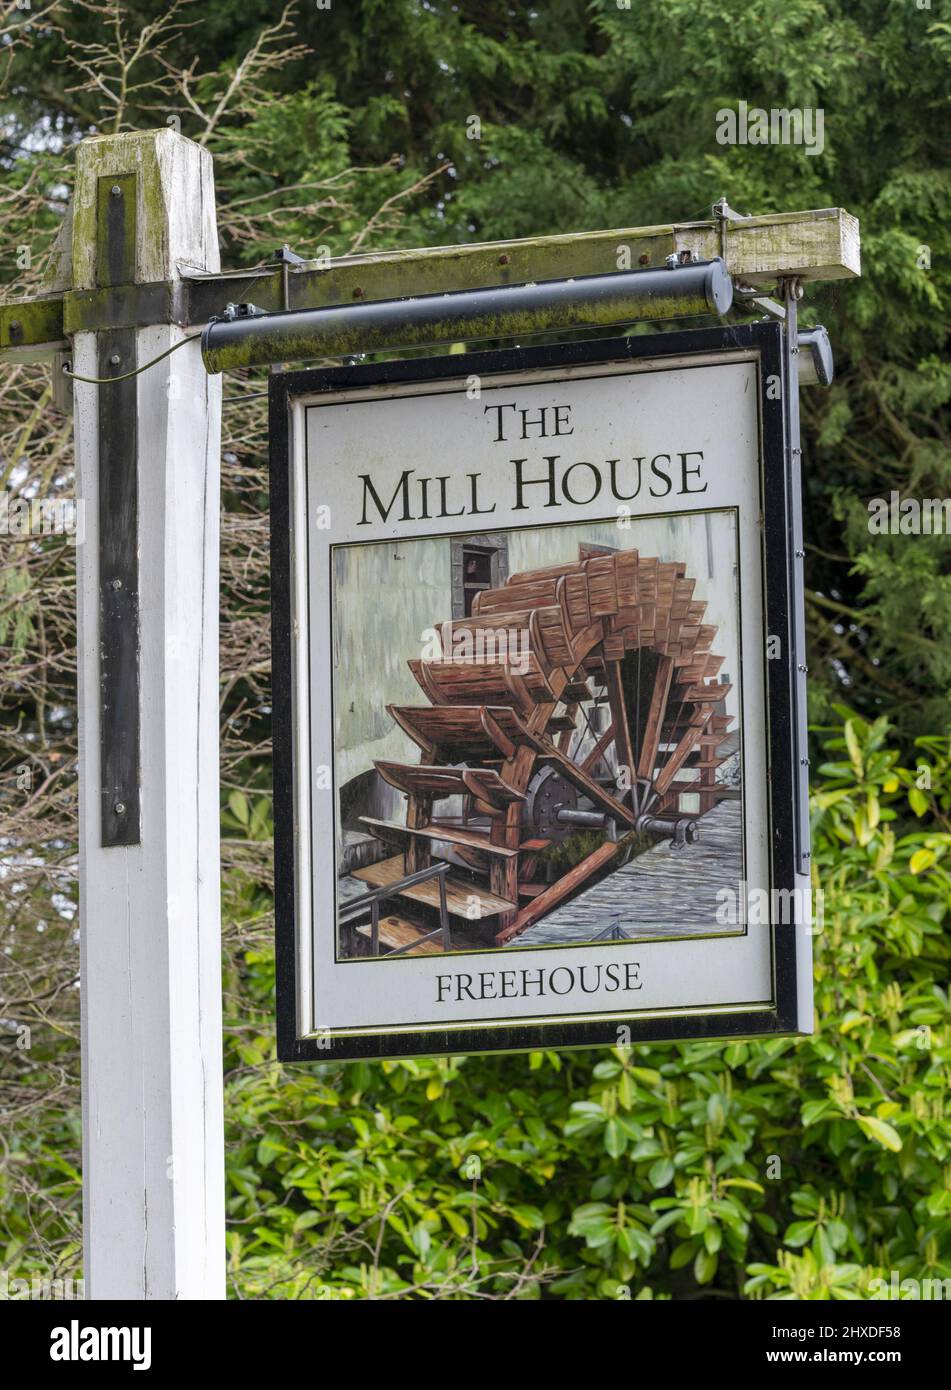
(603, 743)
(462, 899)
(553, 757)
(557, 892)
(451, 834)
(821, 244)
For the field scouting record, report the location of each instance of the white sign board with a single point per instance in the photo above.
(534, 692)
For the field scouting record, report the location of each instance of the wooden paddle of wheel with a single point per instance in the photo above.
(570, 699)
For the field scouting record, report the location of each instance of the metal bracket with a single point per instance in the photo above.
(791, 289)
(238, 311)
(118, 529)
(724, 215)
(285, 259)
(748, 294)
(125, 306)
(61, 384)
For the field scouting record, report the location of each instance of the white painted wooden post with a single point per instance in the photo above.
(151, 974)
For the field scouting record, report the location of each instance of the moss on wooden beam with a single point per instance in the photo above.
(821, 244)
(31, 328)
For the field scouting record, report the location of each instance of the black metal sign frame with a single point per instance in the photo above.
(782, 570)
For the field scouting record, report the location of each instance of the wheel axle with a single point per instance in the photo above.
(681, 832)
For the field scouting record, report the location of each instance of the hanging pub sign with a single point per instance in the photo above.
(535, 699)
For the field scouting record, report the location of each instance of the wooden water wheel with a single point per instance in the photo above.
(570, 699)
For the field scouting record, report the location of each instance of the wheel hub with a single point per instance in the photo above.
(548, 793)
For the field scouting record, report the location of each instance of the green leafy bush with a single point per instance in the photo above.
(780, 1169)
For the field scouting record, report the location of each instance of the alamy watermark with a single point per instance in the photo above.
(909, 516)
(468, 646)
(762, 907)
(896, 1289)
(81, 1343)
(39, 1288)
(25, 517)
(752, 125)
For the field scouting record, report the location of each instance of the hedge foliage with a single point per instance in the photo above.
(778, 1169)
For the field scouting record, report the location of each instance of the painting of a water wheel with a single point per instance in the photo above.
(573, 707)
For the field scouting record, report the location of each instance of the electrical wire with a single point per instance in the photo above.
(108, 380)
